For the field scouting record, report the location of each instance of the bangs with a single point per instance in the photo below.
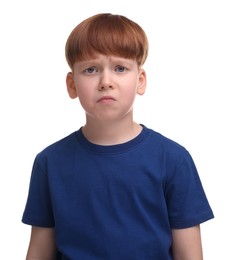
(109, 35)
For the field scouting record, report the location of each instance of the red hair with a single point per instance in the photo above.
(107, 34)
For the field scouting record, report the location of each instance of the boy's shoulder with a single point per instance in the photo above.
(62, 145)
(163, 141)
(165, 147)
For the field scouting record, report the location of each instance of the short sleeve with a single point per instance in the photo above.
(38, 209)
(186, 200)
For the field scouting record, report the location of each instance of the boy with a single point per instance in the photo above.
(114, 189)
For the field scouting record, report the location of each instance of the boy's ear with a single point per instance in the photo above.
(71, 89)
(142, 82)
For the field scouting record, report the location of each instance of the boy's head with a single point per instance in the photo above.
(107, 34)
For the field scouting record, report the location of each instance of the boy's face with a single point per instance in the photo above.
(106, 86)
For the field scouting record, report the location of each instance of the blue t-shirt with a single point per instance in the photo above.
(115, 202)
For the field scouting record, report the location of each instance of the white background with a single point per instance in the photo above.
(188, 96)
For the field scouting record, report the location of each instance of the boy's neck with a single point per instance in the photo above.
(111, 133)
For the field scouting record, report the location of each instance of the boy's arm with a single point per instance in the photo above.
(42, 244)
(187, 244)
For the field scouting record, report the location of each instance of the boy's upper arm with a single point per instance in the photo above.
(42, 244)
(187, 244)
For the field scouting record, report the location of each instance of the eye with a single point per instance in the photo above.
(120, 68)
(90, 70)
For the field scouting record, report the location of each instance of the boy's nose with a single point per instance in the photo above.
(104, 87)
(105, 82)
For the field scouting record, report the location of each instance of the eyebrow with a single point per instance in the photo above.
(121, 59)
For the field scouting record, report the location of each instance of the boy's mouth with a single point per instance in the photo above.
(106, 99)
